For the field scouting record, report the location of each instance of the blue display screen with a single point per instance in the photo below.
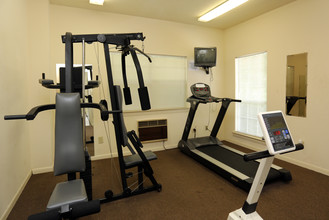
(278, 131)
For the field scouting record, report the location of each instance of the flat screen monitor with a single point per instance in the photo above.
(205, 57)
(276, 133)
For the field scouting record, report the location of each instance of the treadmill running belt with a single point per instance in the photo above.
(236, 161)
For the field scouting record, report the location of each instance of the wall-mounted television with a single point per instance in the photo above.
(205, 56)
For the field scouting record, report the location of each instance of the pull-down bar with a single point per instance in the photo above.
(126, 90)
(122, 40)
(116, 39)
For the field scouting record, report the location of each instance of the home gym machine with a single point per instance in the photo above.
(278, 140)
(138, 158)
(212, 153)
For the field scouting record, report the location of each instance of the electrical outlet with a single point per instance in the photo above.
(100, 140)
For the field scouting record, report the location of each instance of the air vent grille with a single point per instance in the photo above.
(153, 130)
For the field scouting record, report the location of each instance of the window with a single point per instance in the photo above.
(251, 88)
(165, 78)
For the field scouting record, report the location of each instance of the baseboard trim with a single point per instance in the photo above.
(16, 196)
(304, 165)
(103, 156)
(42, 170)
(288, 159)
(107, 156)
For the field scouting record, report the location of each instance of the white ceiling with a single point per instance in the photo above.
(183, 11)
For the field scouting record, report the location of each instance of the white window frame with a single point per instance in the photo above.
(251, 88)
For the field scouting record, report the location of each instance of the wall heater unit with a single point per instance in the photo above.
(152, 130)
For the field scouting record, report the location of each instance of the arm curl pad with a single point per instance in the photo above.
(127, 95)
(144, 98)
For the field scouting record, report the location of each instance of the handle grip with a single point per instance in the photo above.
(49, 215)
(264, 154)
(76, 210)
(85, 208)
(235, 100)
(14, 117)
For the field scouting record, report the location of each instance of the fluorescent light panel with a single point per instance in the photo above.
(96, 2)
(221, 9)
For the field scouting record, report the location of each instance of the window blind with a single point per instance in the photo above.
(251, 88)
(165, 78)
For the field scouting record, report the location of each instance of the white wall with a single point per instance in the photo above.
(162, 37)
(295, 28)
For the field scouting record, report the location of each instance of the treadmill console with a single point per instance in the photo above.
(200, 90)
(276, 133)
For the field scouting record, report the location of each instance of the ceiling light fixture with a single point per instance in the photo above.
(96, 2)
(221, 9)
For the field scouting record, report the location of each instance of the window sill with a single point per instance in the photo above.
(248, 136)
(154, 111)
(157, 110)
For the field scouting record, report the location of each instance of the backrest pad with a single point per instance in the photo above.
(69, 152)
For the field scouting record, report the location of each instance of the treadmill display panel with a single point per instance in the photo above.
(200, 90)
(276, 133)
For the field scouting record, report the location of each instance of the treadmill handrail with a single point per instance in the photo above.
(208, 99)
(265, 153)
(220, 117)
(204, 100)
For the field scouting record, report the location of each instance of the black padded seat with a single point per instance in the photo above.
(135, 159)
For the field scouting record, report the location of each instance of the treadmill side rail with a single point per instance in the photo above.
(222, 165)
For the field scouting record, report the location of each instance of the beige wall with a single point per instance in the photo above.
(42, 127)
(295, 28)
(24, 55)
(15, 149)
(30, 44)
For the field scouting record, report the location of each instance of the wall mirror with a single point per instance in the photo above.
(296, 87)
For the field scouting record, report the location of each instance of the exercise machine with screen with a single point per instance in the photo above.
(212, 153)
(278, 140)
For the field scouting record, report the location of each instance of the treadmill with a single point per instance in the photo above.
(224, 160)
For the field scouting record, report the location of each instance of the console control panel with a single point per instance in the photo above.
(276, 133)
